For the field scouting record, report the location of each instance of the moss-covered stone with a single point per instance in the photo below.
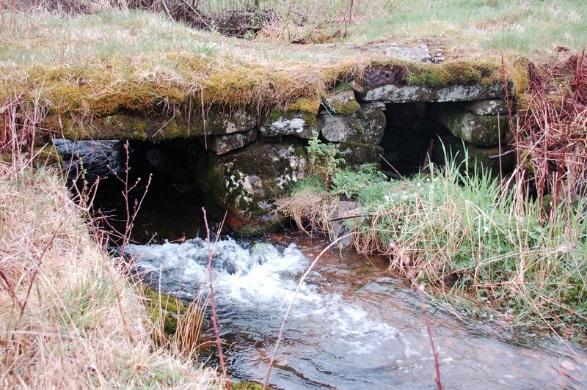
(164, 309)
(341, 103)
(365, 126)
(248, 182)
(305, 105)
(479, 130)
(154, 127)
(401, 82)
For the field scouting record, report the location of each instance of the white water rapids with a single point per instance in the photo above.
(349, 329)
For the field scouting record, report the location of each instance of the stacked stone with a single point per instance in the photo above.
(477, 120)
(480, 131)
(254, 161)
(357, 129)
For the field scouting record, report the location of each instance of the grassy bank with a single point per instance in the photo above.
(460, 27)
(68, 319)
(76, 67)
(464, 236)
(516, 243)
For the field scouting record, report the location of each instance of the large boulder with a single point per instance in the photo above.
(248, 182)
(365, 126)
(90, 159)
(479, 130)
(491, 158)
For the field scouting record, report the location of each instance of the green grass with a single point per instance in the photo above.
(133, 61)
(466, 236)
(512, 26)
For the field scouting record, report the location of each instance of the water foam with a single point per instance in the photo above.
(261, 278)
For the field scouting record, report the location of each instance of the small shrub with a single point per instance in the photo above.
(350, 183)
(324, 159)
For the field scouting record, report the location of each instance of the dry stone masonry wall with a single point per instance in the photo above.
(246, 162)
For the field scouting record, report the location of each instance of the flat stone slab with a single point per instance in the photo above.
(415, 93)
(223, 144)
(365, 126)
(154, 127)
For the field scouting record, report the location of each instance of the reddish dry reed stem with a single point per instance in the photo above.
(406, 262)
(291, 302)
(214, 315)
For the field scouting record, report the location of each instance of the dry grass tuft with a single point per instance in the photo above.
(311, 210)
(551, 137)
(68, 319)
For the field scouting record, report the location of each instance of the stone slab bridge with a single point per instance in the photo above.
(243, 162)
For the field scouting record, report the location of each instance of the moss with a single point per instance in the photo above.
(163, 305)
(431, 78)
(345, 107)
(154, 127)
(172, 103)
(343, 87)
(305, 105)
(246, 386)
(455, 72)
(518, 74)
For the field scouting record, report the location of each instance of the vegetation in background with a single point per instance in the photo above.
(459, 26)
(110, 61)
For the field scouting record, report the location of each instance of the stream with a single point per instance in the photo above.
(353, 325)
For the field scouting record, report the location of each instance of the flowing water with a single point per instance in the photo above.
(353, 326)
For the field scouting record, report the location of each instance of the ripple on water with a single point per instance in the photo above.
(349, 338)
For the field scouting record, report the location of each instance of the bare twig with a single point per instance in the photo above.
(291, 302)
(406, 262)
(214, 315)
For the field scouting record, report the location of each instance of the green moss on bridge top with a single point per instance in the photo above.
(88, 72)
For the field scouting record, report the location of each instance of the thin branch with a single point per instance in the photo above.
(291, 302)
(214, 315)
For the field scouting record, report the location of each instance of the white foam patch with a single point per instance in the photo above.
(262, 277)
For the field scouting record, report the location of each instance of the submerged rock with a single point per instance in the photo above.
(90, 159)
